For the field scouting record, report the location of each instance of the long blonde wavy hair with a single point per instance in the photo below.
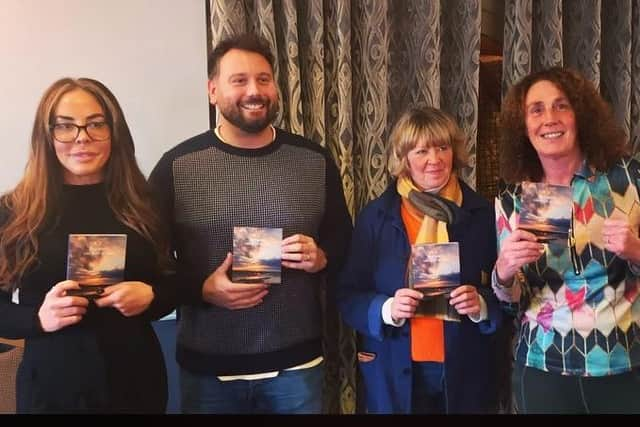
(34, 202)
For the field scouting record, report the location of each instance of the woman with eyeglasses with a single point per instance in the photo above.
(88, 349)
(578, 344)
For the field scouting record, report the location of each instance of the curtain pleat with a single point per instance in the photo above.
(547, 30)
(581, 35)
(635, 75)
(460, 70)
(615, 78)
(516, 55)
(370, 76)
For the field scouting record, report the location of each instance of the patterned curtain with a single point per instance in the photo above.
(346, 70)
(600, 38)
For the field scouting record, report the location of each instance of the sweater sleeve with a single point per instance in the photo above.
(506, 222)
(18, 321)
(336, 226)
(164, 296)
(187, 290)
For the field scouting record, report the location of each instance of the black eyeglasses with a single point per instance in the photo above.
(68, 132)
(575, 259)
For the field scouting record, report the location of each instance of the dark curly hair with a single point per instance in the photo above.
(601, 139)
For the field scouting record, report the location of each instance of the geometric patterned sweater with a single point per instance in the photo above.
(207, 187)
(584, 324)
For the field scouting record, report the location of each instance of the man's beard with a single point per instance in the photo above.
(233, 114)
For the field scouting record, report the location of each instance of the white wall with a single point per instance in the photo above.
(150, 53)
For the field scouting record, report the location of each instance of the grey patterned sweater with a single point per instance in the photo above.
(208, 187)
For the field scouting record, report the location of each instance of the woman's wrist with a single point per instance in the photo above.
(495, 278)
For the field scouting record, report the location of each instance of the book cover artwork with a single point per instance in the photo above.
(545, 210)
(95, 261)
(257, 255)
(435, 271)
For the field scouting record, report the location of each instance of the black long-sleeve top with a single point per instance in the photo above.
(107, 362)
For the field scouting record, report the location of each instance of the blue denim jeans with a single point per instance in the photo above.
(291, 392)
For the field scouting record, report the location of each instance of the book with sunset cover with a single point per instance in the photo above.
(434, 270)
(546, 210)
(95, 261)
(257, 255)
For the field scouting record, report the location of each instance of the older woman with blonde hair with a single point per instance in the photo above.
(86, 349)
(410, 363)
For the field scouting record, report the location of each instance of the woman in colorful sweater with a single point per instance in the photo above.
(578, 346)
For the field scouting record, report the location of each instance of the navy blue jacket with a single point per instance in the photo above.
(375, 269)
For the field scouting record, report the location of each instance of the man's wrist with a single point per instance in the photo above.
(323, 260)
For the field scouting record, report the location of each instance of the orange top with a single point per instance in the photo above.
(427, 333)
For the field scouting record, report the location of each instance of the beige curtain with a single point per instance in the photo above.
(346, 70)
(600, 38)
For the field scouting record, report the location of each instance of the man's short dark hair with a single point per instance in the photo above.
(247, 41)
